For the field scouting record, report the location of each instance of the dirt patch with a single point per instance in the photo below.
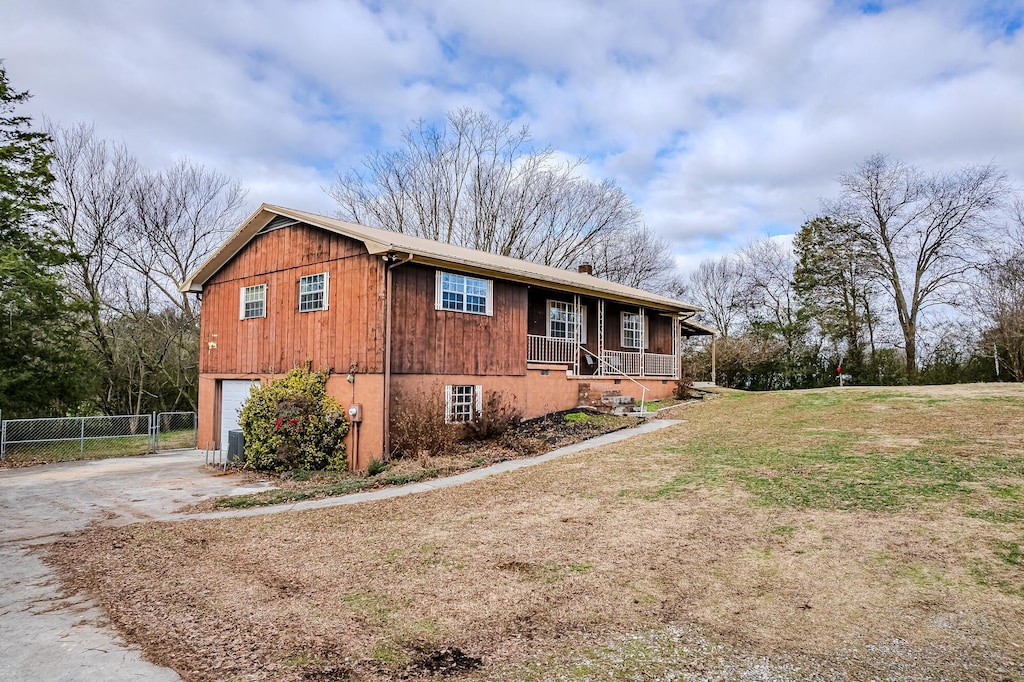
(445, 662)
(768, 537)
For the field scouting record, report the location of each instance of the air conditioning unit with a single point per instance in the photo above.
(236, 446)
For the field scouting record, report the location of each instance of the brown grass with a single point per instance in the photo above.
(806, 535)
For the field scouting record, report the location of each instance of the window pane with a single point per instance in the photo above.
(311, 292)
(632, 330)
(254, 301)
(462, 404)
(466, 294)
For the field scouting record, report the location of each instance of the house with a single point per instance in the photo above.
(391, 314)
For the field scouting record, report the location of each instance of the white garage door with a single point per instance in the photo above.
(232, 394)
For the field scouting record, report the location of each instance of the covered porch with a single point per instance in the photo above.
(596, 337)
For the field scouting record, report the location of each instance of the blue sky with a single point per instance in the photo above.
(725, 121)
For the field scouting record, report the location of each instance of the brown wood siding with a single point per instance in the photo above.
(537, 316)
(349, 332)
(659, 328)
(430, 341)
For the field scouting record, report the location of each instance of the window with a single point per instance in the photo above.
(313, 292)
(464, 294)
(634, 330)
(562, 321)
(253, 301)
(462, 403)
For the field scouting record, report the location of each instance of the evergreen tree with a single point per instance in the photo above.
(42, 367)
(833, 282)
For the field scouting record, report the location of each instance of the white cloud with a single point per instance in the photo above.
(724, 121)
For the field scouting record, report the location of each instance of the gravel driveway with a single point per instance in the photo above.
(47, 636)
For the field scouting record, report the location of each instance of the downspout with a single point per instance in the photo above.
(389, 264)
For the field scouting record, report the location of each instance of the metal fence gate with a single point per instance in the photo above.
(66, 438)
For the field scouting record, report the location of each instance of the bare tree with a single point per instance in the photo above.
(178, 217)
(92, 201)
(136, 235)
(478, 182)
(769, 293)
(717, 286)
(921, 230)
(998, 297)
(637, 257)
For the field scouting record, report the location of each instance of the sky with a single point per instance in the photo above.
(724, 121)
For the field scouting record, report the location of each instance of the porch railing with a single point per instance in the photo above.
(622, 361)
(658, 365)
(549, 349)
(563, 351)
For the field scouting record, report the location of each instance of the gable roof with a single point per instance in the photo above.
(429, 252)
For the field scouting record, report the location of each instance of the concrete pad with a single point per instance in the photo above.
(47, 636)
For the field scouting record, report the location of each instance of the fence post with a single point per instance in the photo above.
(81, 439)
(3, 436)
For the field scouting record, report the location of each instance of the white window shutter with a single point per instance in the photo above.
(327, 290)
(490, 297)
(447, 404)
(437, 297)
(241, 303)
(479, 391)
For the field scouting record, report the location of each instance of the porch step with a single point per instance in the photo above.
(646, 414)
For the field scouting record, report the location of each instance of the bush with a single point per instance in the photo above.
(418, 426)
(375, 467)
(684, 388)
(293, 424)
(498, 414)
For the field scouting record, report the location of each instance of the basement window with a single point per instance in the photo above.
(462, 403)
(253, 302)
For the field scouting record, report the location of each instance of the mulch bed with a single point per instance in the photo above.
(528, 438)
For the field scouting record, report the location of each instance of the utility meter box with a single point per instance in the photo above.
(355, 413)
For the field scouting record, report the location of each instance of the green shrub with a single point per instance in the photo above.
(293, 424)
(376, 467)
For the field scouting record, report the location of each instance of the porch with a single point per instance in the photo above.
(584, 362)
(595, 337)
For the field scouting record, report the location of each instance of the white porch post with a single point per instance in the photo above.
(577, 334)
(600, 337)
(677, 347)
(643, 340)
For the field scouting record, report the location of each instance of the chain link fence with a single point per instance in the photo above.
(66, 438)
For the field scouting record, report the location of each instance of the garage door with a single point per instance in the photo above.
(232, 395)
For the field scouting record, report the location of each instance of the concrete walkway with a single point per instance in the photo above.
(50, 637)
(436, 483)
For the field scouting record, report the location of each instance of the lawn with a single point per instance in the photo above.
(838, 534)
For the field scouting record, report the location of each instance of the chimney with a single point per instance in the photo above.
(586, 268)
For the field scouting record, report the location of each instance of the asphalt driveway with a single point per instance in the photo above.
(46, 635)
